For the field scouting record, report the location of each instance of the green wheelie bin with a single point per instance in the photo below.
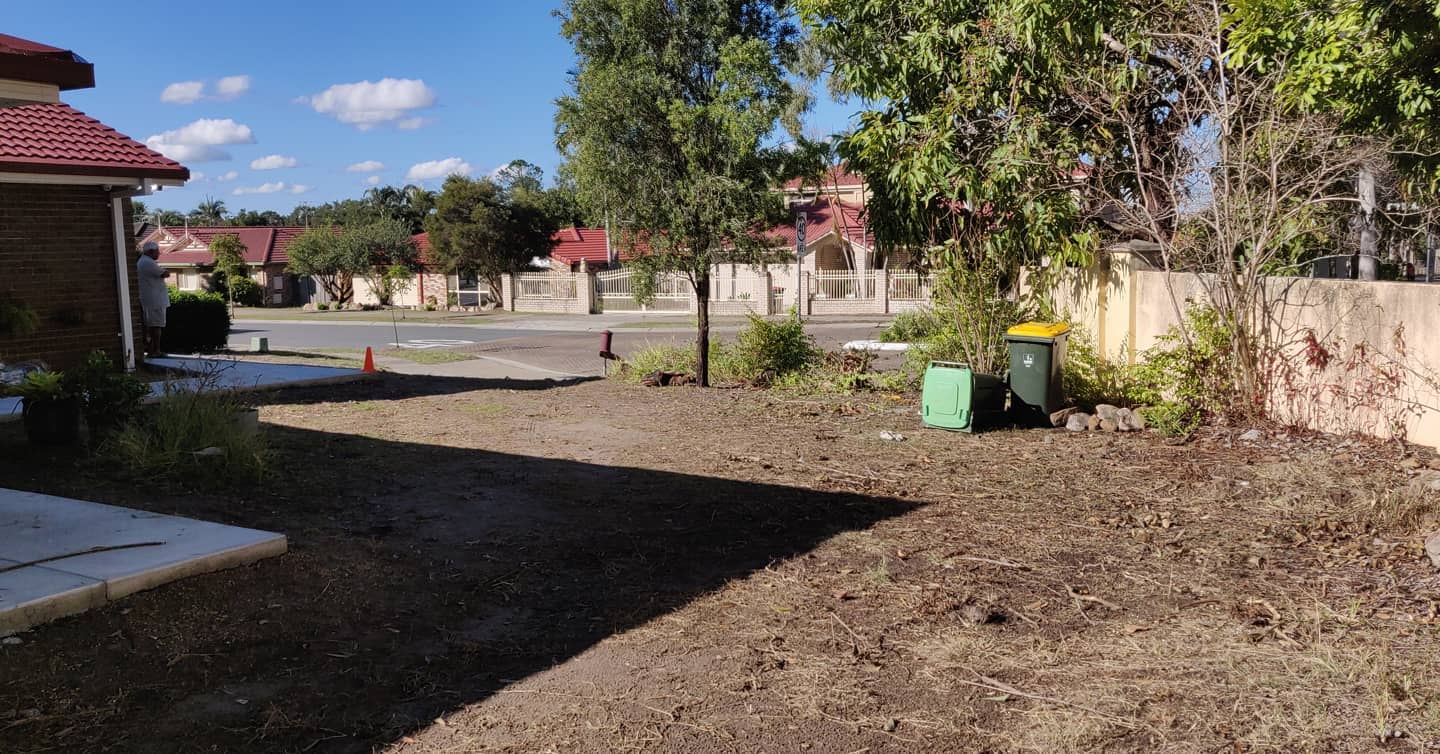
(954, 397)
(1037, 361)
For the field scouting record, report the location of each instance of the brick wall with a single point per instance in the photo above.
(57, 255)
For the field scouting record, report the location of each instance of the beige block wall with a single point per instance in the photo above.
(1383, 377)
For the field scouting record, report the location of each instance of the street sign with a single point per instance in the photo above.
(800, 223)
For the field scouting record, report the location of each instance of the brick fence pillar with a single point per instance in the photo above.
(585, 283)
(507, 291)
(882, 279)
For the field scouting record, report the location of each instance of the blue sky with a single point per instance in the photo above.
(328, 92)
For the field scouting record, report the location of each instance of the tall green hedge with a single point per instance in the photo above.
(197, 323)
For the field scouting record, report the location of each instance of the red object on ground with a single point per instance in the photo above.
(369, 361)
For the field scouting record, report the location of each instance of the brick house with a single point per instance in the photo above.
(66, 240)
(185, 251)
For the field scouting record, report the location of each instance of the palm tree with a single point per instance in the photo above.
(209, 212)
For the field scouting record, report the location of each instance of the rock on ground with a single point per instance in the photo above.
(1061, 418)
(1078, 422)
(1107, 412)
(1432, 548)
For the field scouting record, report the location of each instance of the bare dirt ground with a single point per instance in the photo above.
(605, 568)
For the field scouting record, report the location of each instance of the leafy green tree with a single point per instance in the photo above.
(1372, 63)
(670, 125)
(384, 254)
(319, 253)
(480, 228)
(229, 254)
(247, 218)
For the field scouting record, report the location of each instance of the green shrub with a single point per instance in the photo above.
(1198, 372)
(845, 372)
(1172, 418)
(912, 327)
(322, 307)
(247, 291)
(1090, 379)
(765, 350)
(110, 396)
(171, 440)
(197, 323)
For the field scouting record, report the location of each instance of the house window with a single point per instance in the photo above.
(189, 280)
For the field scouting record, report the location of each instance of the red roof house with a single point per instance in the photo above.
(66, 181)
(186, 251)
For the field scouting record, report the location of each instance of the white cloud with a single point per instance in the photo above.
(366, 104)
(300, 188)
(410, 124)
(273, 162)
(425, 171)
(231, 87)
(200, 141)
(196, 175)
(373, 180)
(183, 92)
(230, 176)
(264, 188)
(368, 166)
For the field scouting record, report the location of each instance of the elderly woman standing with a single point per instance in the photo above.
(154, 296)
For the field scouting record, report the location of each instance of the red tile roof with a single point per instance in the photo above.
(56, 139)
(823, 217)
(574, 244)
(23, 60)
(838, 176)
(263, 246)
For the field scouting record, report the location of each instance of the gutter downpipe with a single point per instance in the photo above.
(122, 268)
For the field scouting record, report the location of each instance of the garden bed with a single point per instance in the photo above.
(481, 566)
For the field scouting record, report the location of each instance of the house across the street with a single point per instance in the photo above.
(185, 251)
(66, 240)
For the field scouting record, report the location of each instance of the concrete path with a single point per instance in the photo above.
(96, 553)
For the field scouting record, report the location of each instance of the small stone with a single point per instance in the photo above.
(1253, 435)
(209, 452)
(1107, 412)
(1078, 422)
(1125, 420)
(1108, 426)
(1432, 548)
(1061, 418)
(12, 640)
(892, 725)
(889, 436)
(1093, 423)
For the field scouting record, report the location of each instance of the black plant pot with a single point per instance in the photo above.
(52, 422)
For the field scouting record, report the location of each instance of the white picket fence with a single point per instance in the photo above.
(911, 286)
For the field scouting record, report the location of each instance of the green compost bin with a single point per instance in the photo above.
(954, 397)
(1037, 362)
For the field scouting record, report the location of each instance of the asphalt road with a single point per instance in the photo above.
(564, 351)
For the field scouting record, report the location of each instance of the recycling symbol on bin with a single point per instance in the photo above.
(1029, 360)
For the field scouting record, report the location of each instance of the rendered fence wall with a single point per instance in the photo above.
(1380, 374)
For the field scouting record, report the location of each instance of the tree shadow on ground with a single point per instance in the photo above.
(395, 387)
(421, 579)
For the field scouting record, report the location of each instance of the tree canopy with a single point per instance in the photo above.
(484, 228)
(671, 126)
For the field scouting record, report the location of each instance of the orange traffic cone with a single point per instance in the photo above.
(369, 361)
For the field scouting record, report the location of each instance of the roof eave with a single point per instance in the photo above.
(74, 172)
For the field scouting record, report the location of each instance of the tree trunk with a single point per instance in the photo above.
(702, 336)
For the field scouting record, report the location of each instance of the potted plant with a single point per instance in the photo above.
(52, 410)
(109, 396)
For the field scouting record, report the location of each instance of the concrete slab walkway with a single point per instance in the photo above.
(215, 373)
(60, 556)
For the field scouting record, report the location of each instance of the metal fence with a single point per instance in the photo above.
(843, 285)
(545, 285)
(616, 293)
(910, 286)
